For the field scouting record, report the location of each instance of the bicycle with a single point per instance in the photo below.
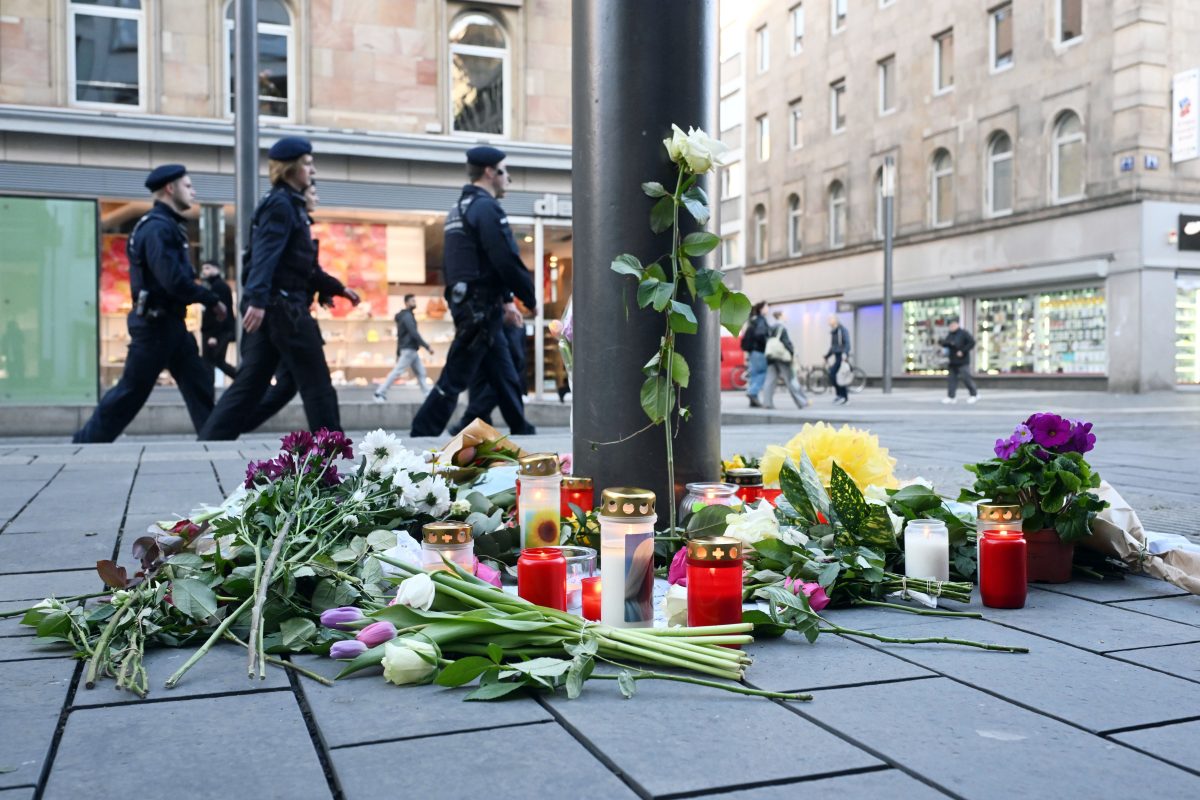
(817, 379)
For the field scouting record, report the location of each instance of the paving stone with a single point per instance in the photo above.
(494, 764)
(46, 552)
(21, 793)
(31, 700)
(267, 751)
(882, 783)
(34, 586)
(1175, 743)
(1133, 587)
(792, 664)
(363, 707)
(15, 495)
(978, 746)
(28, 648)
(178, 492)
(11, 626)
(1178, 659)
(666, 718)
(28, 472)
(1180, 609)
(221, 670)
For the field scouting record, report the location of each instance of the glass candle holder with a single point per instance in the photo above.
(749, 483)
(591, 599)
(451, 539)
(581, 563)
(1002, 569)
(714, 587)
(927, 549)
(538, 500)
(627, 557)
(578, 491)
(542, 577)
(700, 495)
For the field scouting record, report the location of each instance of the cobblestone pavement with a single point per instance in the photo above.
(1106, 704)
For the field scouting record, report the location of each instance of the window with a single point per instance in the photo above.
(760, 234)
(1069, 20)
(732, 180)
(837, 214)
(107, 53)
(879, 210)
(999, 198)
(731, 250)
(763, 44)
(837, 15)
(795, 124)
(797, 28)
(479, 75)
(763, 126)
(837, 105)
(1001, 37)
(941, 189)
(887, 85)
(274, 59)
(1067, 176)
(732, 111)
(795, 218)
(943, 61)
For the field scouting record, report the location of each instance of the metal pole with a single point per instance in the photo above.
(889, 190)
(631, 79)
(539, 317)
(245, 129)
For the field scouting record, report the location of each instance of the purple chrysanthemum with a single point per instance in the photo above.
(334, 444)
(299, 443)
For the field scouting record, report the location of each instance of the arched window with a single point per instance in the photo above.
(1067, 176)
(999, 198)
(479, 75)
(760, 234)
(941, 189)
(275, 59)
(106, 52)
(795, 220)
(837, 214)
(879, 203)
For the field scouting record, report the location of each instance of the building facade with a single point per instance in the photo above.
(93, 93)
(1046, 173)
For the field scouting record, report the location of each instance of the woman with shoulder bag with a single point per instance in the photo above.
(754, 342)
(839, 351)
(779, 352)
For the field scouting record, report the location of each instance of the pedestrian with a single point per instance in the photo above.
(483, 397)
(279, 328)
(162, 283)
(839, 351)
(408, 340)
(482, 265)
(780, 352)
(322, 289)
(217, 334)
(958, 344)
(754, 343)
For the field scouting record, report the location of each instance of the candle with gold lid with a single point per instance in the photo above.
(714, 575)
(749, 483)
(450, 538)
(578, 491)
(992, 516)
(627, 557)
(538, 500)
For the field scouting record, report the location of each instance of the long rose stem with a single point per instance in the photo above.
(923, 640)
(204, 648)
(925, 612)
(264, 583)
(101, 651)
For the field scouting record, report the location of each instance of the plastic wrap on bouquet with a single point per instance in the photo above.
(1117, 532)
(565, 331)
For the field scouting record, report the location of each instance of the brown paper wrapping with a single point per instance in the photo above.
(474, 435)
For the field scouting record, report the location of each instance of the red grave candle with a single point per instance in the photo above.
(749, 482)
(1002, 581)
(591, 599)
(772, 495)
(577, 490)
(714, 588)
(542, 577)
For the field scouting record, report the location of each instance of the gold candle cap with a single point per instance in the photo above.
(539, 465)
(626, 501)
(999, 513)
(714, 548)
(576, 482)
(744, 476)
(448, 532)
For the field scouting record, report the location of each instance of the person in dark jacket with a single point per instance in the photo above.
(754, 343)
(958, 344)
(162, 283)
(483, 398)
(279, 328)
(408, 356)
(217, 334)
(482, 265)
(839, 350)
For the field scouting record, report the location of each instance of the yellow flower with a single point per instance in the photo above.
(734, 463)
(855, 450)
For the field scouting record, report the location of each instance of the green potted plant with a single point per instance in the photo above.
(1042, 468)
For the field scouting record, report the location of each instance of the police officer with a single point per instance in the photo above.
(163, 284)
(275, 302)
(482, 396)
(482, 265)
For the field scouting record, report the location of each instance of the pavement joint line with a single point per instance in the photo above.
(1151, 725)
(596, 752)
(720, 790)
(56, 739)
(1151, 754)
(1147, 647)
(29, 502)
(483, 729)
(29, 658)
(314, 735)
(1148, 614)
(150, 700)
(44, 571)
(860, 684)
(1070, 644)
(217, 475)
(137, 469)
(1182, 593)
(1146, 666)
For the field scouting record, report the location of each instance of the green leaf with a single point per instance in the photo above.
(626, 264)
(587, 646)
(494, 691)
(683, 319)
(813, 488)
(654, 189)
(847, 500)
(681, 373)
(708, 521)
(710, 282)
(463, 670)
(657, 398)
(735, 310)
(382, 540)
(296, 632)
(495, 652)
(698, 244)
(793, 491)
(696, 202)
(662, 216)
(332, 594)
(580, 671)
(193, 598)
(545, 667)
(654, 292)
(627, 684)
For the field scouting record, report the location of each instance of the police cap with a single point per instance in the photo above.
(289, 148)
(485, 156)
(161, 176)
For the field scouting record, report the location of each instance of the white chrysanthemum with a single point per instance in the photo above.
(460, 508)
(430, 496)
(379, 447)
(402, 462)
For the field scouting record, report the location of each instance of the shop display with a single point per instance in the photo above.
(1005, 335)
(926, 322)
(1187, 330)
(1072, 332)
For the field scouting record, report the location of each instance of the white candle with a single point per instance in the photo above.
(540, 510)
(927, 550)
(627, 558)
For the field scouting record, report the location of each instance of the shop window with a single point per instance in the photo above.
(760, 234)
(1072, 334)
(943, 62)
(941, 189)
(795, 225)
(1067, 169)
(1069, 15)
(480, 87)
(275, 59)
(999, 175)
(1187, 330)
(837, 214)
(106, 52)
(926, 323)
(1005, 335)
(1001, 38)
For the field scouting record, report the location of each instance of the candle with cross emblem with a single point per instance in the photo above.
(627, 557)
(714, 581)
(451, 539)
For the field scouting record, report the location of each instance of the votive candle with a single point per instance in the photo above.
(452, 539)
(627, 557)
(714, 581)
(927, 550)
(749, 483)
(542, 577)
(1002, 569)
(577, 491)
(591, 599)
(538, 490)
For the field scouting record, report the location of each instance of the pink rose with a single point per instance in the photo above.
(565, 463)
(486, 573)
(817, 599)
(677, 574)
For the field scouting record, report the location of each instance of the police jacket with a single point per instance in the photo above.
(480, 249)
(407, 335)
(158, 264)
(282, 253)
(209, 325)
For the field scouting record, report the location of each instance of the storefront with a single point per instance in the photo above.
(1187, 328)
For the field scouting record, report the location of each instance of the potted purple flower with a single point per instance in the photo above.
(1041, 467)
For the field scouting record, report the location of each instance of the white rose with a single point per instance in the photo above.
(416, 592)
(701, 151)
(407, 661)
(675, 145)
(754, 525)
(675, 605)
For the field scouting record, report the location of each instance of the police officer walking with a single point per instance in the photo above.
(163, 284)
(483, 265)
(217, 334)
(275, 302)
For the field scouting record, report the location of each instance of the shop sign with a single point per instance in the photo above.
(1189, 232)
(551, 205)
(1185, 116)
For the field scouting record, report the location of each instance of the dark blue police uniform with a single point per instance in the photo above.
(482, 398)
(158, 265)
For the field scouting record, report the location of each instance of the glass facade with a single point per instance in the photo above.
(1187, 329)
(1072, 332)
(926, 322)
(1006, 332)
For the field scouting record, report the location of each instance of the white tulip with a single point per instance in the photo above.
(756, 524)
(407, 661)
(416, 592)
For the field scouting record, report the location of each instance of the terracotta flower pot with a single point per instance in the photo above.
(1048, 557)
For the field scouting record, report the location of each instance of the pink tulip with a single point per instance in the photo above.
(817, 599)
(351, 648)
(677, 573)
(486, 573)
(376, 634)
